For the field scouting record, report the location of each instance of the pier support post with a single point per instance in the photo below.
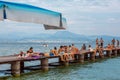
(101, 54)
(66, 63)
(81, 58)
(115, 53)
(118, 51)
(92, 56)
(44, 64)
(108, 53)
(86, 56)
(15, 68)
(22, 67)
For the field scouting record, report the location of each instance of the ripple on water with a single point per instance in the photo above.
(107, 70)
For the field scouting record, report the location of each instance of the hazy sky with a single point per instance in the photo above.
(88, 17)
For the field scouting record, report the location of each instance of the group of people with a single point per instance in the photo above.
(66, 53)
(29, 53)
(101, 42)
(99, 46)
(114, 44)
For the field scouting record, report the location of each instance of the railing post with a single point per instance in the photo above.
(44, 64)
(15, 68)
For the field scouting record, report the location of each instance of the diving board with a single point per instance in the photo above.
(32, 14)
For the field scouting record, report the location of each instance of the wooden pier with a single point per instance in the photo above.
(17, 64)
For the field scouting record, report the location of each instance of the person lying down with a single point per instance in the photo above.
(30, 53)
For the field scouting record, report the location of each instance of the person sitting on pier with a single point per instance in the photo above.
(74, 49)
(28, 54)
(61, 50)
(90, 48)
(51, 52)
(66, 55)
(112, 46)
(34, 53)
(24, 55)
(21, 54)
(63, 53)
(31, 53)
(109, 47)
(71, 54)
(83, 47)
(55, 52)
(30, 50)
(101, 52)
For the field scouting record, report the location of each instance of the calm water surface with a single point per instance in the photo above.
(104, 70)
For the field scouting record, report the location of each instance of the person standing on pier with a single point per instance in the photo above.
(97, 42)
(113, 42)
(101, 42)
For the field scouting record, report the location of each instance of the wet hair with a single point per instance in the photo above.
(31, 47)
(89, 46)
(27, 51)
(61, 46)
(69, 45)
(83, 44)
(55, 48)
(72, 44)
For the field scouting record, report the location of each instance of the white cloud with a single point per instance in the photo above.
(84, 15)
(65, 6)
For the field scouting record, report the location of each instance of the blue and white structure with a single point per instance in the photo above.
(27, 13)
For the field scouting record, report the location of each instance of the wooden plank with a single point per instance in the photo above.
(11, 58)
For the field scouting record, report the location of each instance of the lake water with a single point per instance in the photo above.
(108, 69)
